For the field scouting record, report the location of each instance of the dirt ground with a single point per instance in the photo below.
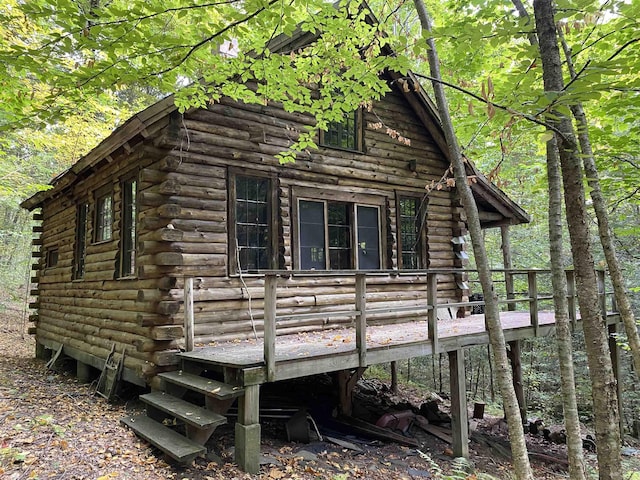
(52, 427)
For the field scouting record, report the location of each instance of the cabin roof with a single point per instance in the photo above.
(499, 209)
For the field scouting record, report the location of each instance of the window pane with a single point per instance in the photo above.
(312, 247)
(252, 222)
(339, 231)
(81, 240)
(409, 232)
(343, 134)
(104, 218)
(368, 238)
(128, 233)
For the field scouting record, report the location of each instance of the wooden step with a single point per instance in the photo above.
(187, 412)
(203, 385)
(172, 443)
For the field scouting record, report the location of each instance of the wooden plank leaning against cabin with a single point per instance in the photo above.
(245, 137)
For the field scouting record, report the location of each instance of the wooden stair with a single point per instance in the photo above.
(169, 441)
(168, 408)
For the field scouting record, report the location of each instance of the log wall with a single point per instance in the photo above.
(182, 230)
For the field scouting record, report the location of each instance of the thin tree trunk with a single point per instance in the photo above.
(603, 383)
(492, 315)
(560, 302)
(492, 390)
(600, 207)
(561, 307)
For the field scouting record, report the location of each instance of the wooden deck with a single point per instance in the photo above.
(330, 350)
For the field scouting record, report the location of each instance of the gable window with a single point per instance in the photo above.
(80, 248)
(410, 238)
(252, 206)
(128, 231)
(345, 134)
(104, 216)
(329, 231)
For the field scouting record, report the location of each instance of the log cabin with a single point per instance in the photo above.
(181, 244)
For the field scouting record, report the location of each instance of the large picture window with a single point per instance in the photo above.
(104, 216)
(346, 134)
(80, 248)
(128, 230)
(338, 235)
(410, 238)
(252, 212)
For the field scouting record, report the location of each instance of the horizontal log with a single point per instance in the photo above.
(156, 346)
(211, 202)
(149, 248)
(177, 211)
(167, 332)
(179, 165)
(167, 307)
(155, 223)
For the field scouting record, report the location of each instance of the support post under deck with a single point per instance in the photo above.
(459, 420)
(614, 350)
(515, 358)
(248, 430)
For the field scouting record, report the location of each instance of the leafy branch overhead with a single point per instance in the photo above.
(202, 52)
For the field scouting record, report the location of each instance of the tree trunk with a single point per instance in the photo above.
(561, 307)
(560, 301)
(600, 207)
(492, 316)
(603, 383)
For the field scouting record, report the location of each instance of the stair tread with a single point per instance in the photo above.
(185, 411)
(172, 443)
(204, 385)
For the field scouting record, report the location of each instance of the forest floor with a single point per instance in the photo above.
(52, 427)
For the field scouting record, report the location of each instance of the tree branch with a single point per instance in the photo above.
(526, 116)
(231, 26)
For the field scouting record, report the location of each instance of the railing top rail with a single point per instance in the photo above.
(390, 272)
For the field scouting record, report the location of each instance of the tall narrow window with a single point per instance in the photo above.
(409, 220)
(80, 247)
(104, 217)
(339, 231)
(252, 214)
(345, 134)
(312, 235)
(128, 232)
(368, 238)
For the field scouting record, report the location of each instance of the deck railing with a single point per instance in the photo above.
(509, 296)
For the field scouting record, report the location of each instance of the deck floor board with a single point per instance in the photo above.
(342, 341)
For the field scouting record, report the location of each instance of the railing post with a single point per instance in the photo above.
(602, 292)
(188, 314)
(432, 314)
(270, 292)
(571, 297)
(508, 282)
(533, 300)
(361, 318)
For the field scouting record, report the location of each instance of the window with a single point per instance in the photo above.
(104, 216)
(80, 249)
(128, 231)
(410, 238)
(252, 247)
(329, 230)
(51, 259)
(346, 134)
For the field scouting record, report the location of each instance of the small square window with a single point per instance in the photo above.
(52, 257)
(345, 134)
